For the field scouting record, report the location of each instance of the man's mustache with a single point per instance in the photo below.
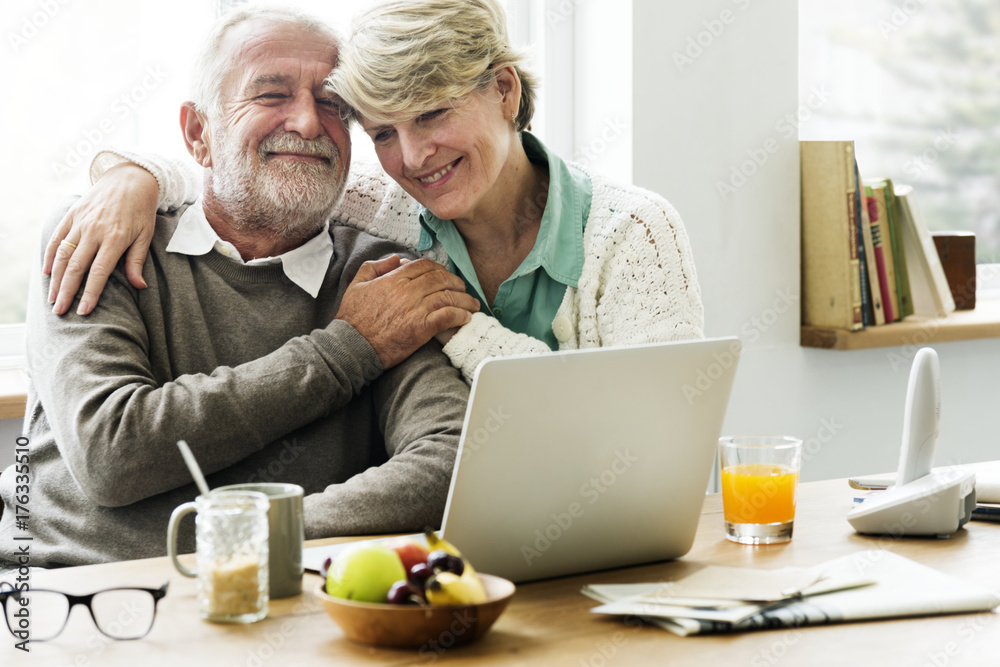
(322, 147)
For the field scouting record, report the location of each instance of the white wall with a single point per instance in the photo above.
(692, 122)
(602, 88)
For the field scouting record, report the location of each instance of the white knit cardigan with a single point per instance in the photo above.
(638, 283)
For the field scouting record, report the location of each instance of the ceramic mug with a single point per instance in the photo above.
(287, 534)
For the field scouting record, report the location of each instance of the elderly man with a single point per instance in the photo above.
(288, 368)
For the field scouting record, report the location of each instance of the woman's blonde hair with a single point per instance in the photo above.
(405, 57)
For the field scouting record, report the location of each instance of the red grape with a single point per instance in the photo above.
(420, 573)
(456, 565)
(402, 592)
(438, 560)
(442, 561)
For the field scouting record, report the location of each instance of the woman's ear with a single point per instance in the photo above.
(194, 126)
(509, 85)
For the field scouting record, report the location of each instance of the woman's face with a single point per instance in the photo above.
(451, 158)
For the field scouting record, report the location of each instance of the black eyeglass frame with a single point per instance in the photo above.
(85, 600)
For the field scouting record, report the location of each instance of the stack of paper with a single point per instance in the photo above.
(987, 497)
(867, 585)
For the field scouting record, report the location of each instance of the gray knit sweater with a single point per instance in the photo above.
(259, 379)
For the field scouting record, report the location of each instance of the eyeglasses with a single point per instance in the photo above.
(119, 613)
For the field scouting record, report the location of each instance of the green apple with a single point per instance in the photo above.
(364, 572)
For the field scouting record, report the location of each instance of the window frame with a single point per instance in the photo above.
(987, 281)
(12, 346)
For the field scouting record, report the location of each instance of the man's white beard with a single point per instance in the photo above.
(278, 197)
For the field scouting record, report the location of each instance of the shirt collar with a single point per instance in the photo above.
(559, 245)
(306, 265)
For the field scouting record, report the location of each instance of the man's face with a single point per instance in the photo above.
(280, 152)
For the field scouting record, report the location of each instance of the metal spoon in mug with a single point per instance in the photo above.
(192, 465)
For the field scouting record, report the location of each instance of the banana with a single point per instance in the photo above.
(435, 542)
(447, 588)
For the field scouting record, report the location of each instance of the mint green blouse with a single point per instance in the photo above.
(528, 300)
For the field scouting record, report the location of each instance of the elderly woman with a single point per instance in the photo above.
(558, 257)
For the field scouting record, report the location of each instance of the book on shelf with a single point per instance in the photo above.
(867, 256)
(872, 253)
(876, 207)
(883, 258)
(867, 307)
(831, 271)
(885, 198)
(928, 285)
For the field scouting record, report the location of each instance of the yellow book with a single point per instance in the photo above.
(831, 272)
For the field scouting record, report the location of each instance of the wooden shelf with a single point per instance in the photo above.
(982, 322)
(13, 394)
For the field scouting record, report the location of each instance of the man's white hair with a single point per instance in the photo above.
(211, 65)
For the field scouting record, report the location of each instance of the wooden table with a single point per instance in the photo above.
(548, 622)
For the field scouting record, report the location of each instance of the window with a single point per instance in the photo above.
(86, 76)
(917, 86)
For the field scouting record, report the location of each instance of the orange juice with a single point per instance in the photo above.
(759, 493)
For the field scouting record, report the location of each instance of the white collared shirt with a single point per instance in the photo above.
(306, 265)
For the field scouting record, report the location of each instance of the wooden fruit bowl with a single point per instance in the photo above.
(406, 626)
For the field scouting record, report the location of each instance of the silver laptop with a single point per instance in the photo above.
(586, 460)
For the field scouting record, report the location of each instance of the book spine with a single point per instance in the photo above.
(889, 250)
(898, 254)
(858, 271)
(888, 301)
(873, 278)
(831, 288)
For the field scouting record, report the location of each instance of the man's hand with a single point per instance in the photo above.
(119, 211)
(399, 305)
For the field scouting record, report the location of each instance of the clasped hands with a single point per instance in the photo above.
(398, 305)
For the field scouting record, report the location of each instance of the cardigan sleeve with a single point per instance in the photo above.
(485, 337)
(179, 181)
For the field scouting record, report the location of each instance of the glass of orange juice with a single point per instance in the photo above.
(759, 476)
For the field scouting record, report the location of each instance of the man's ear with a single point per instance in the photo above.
(194, 126)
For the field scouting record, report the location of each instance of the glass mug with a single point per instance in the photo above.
(231, 531)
